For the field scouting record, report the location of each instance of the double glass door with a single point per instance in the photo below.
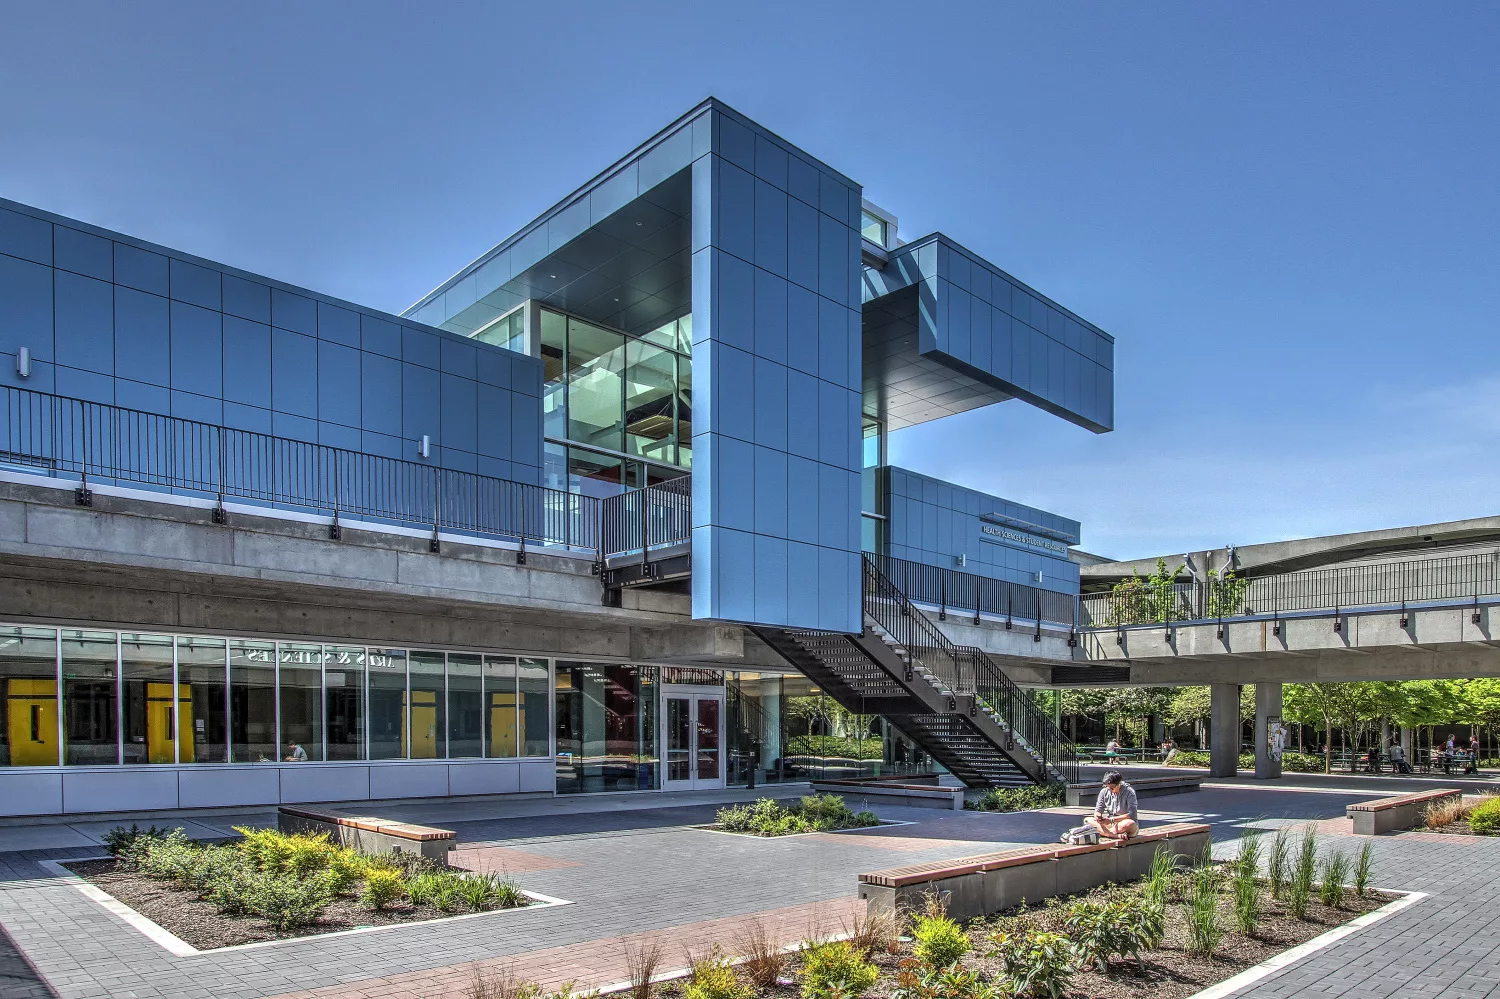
(693, 723)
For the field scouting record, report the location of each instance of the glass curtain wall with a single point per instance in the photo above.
(246, 701)
(617, 409)
(606, 727)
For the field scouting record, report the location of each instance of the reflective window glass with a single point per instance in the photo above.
(533, 684)
(465, 705)
(684, 411)
(595, 474)
(500, 701)
(429, 728)
(650, 380)
(872, 228)
(685, 334)
(252, 702)
(28, 681)
(344, 700)
(596, 365)
(149, 715)
(91, 732)
(509, 331)
(387, 706)
(554, 342)
(300, 688)
(202, 735)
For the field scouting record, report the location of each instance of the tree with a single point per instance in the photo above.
(1148, 599)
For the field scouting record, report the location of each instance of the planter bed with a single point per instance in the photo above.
(186, 916)
(768, 818)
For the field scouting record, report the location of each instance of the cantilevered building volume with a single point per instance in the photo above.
(607, 510)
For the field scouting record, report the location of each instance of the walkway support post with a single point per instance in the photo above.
(1224, 730)
(1267, 713)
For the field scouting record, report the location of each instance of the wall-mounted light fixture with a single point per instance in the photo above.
(424, 448)
(961, 560)
(23, 362)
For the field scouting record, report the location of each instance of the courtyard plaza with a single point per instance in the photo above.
(636, 867)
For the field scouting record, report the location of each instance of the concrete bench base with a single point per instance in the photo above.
(1145, 787)
(368, 833)
(922, 795)
(1403, 811)
(989, 883)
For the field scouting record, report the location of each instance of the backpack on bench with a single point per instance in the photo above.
(1081, 836)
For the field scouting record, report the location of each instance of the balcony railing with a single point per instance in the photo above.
(97, 443)
(1451, 578)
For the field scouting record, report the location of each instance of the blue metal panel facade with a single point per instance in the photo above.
(776, 379)
(977, 319)
(934, 522)
(115, 320)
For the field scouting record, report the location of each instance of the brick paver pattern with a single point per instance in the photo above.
(647, 874)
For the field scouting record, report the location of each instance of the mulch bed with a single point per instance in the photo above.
(1168, 972)
(197, 922)
(1459, 828)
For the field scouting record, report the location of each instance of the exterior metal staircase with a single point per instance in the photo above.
(951, 700)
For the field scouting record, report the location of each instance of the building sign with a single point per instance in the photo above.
(1006, 534)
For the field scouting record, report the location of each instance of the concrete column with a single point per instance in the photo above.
(1224, 729)
(1406, 743)
(1267, 713)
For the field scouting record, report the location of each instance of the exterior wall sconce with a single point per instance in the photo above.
(961, 560)
(424, 447)
(23, 362)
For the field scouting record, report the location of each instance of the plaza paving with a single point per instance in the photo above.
(634, 867)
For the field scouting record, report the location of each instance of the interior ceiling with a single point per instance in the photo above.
(632, 271)
(903, 386)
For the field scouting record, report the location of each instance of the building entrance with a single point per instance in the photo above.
(693, 735)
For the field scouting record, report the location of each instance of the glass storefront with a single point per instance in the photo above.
(606, 727)
(147, 698)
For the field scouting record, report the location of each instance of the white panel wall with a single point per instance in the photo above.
(40, 791)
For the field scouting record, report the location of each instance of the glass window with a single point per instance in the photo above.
(595, 474)
(685, 334)
(509, 331)
(500, 697)
(388, 704)
(606, 727)
(343, 700)
(149, 715)
(252, 702)
(465, 705)
(596, 365)
(300, 688)
(665, 335)
(650, 377)
(872, 228)
(429, 730)
(28, 680)
(685, 412)
(534, 692)
(554, 341)
(203, 735)
(91, 732)
(869, 535)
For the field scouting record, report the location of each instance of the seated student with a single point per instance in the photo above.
(1115, 810)
(294, 752)
(1398, 757)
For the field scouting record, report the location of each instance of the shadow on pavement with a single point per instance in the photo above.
(18, 979)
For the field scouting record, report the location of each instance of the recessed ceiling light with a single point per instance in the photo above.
(640, 223)
(552, 275)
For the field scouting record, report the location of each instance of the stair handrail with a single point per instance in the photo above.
(914, 631)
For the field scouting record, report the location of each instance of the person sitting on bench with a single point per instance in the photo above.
(1115, 810)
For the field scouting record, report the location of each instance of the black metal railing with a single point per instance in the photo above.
(645, 519)
(98, 443)
(964, 670)
(952, 591)
(1373, 584)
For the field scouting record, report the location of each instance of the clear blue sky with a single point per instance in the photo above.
(1287, 214)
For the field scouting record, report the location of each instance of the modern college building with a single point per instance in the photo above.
(609, 510)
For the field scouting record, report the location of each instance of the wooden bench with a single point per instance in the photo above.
(918, 793)
(993, 882)
(1402, 811)
(368, 833)
(1145, 787)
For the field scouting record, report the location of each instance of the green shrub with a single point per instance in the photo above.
(939, 940)
(915, 980)
(1158, 884)
(119, 840)
(1246, 885)
(346, 869)
(232, 894)
(1295, 763)
(813, 813)
(1203, 930)
(508, 895)
(1362, 869)
(1304, 875)
(1484, 820)
(450, 894)
(214, 863)
(382, 888)
(1335, 880)
(423, 889)
(1120, 927)
(1034, 963)
(1018, 799)
(288, 902)
(836, 971)
(268, 849)
(171, 858)
(714, 977)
